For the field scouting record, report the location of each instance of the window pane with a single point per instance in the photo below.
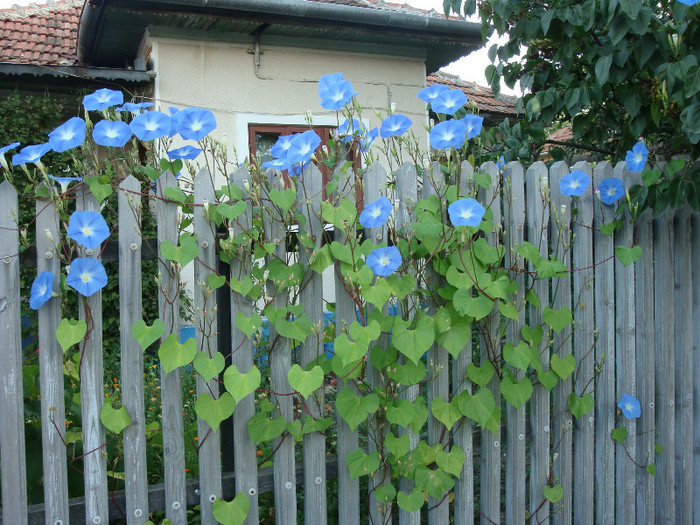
(264, 143)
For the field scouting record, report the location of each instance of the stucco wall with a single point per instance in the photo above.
(222, 77)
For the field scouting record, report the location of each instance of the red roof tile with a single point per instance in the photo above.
(479, 95)
(41, 34)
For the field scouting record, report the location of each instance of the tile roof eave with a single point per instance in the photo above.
(77, 72)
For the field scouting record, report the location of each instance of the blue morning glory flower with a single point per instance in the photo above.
(86, 276)
(185, 153)
(113, 133)
(88, 228)
(448, 134)
(574, 184)
(611, 190)
(3, 150)
(334, 91)
(151, 125)
(447, 102)
(281, 147)
(64, 181)
(298, 169)
(303, 146)
(103, 99)
(429, 93)
(395, 125)
(277, 164)
(31, 154)
(689, 2)
(384, 261)
(635, 159)
(69, 135)
(368, 139)
(501, 163)
(466, 212)
(42, 290)
(473, 124)
(376, 213)
(630, 406)
(194, 123)
(346, 131)
(135, 108)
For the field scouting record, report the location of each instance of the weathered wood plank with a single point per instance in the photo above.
(53, 408)
(348, 440)
(537, 213)
(605, 403)
(684, 367)
(12, 448)
(664, 360)
(562, 420)
(406, 199)
(463, 432)
(695, 247)
(171, 383)
(438, 358)
(379, 512)
(280, 363)
(584, 341)
(625, 347)
(206, 330)
(244, 451)
(130, 311)
(309, 194)
(490, 350)
(92, 396)
(514, 219)
(646, 347)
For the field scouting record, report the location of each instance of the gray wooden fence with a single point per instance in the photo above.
(635, 330)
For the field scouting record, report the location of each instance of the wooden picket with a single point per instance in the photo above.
(634, 331)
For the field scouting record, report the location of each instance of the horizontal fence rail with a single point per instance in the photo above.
(635, 329)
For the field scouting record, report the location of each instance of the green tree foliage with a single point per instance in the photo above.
(617, 70)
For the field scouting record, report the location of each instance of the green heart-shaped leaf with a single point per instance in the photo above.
(70, 332)
(563, 367)
(517, 356)
(549, 378)
(446, 413)
(216, 281)
(481, 375)
(553, 494)
(413, 343)
(360, 464)
(114, 420)
(516, 392)
(240, 385)
(410, 502)
(557, 319)
(481, 407)
(532, 336)
(183, 254)
(434, 482)
(580, 406)
(378, 294)
(262, 428)
(452, 461)
(385, 493)
(208, 368)
(214, 411)
(147, 335)
(354, 410)
(248, 325)
(398, 446)
(173, 354)
(628, 255)
(305, 382)
(284, 199)
(619, 434)
(348, 351)
(232, 512)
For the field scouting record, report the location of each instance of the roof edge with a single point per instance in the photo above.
(330, 14)
(79, 72)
